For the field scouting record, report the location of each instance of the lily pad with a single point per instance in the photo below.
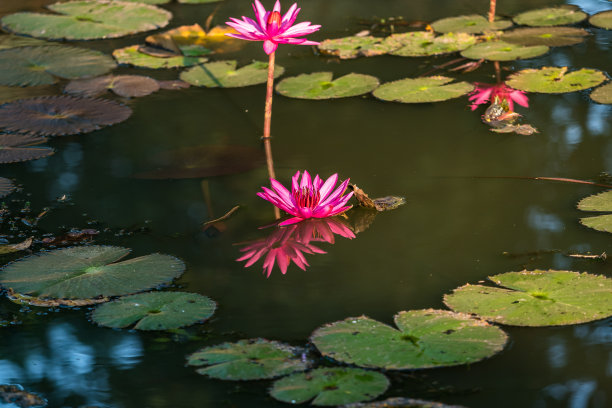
(88, 20)
(61, 115)
(16, 41)
(401, 403)
(127, 86)
(225, 75)
(6, 187)
(555, 79)
(28, 66)
(133, 56)
(503, 51)
(194, 41)
(155, 311)
(602, 20)
(425, 339)
(10, 248)
(601, 202)
(356, 46)
(552, 16)
(330, 386)
(251, 359)
(88, 272)
(603, 94)
(421, 90)
(319, 85)
(537, 298)
(14, 148)
(424, 43)
(21, 299)
(471, 24)
(12, 93)
(550, 36)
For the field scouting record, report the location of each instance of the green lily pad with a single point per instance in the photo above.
(602, 20)
(87, 272)
(552, 16)
(248, 360)
(503, 51)
(29, 66)
(425, 339)
(555, 80)
(401, 403)
(197, 1)
(225, 75)
(601, 202)
(550, 36)
(356, 46)
(15, 41)
(17, 148)
(132, 56)
(424, 43)
(421, 90)
(319, 85)
(330, 386)
(471, 24)
(128, 86)
(88, 20)
(6, 187)
(603, 94)
(537, 298)
(155, 311)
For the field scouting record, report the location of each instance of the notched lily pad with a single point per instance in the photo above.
(503, 51)
(15, 394)
(471, 24)
(155, 311)
(128, 86)
(425, 339)
(356, 46)
(223, 74)
(251, 359)
(401, 403)
(422, 90)
(133, 55)
(603, 94)
(537, 298)
(551, 16)
(602, 20)
(601, 202)
(424, 43)
(555, 79)
(550, 36)
(330, 386)
(16, 148)
(319, 85)
(6, 187)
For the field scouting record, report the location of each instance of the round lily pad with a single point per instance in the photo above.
(602, 20)
(16, 148)
(424, 43)
(555, 79)
(29, 66)
(603, 94)
(128, 86)
(88, 20)
(6, 187)
(133, 56)
(401, 403)
(356, 46)
(61, 115)
(319, 85)
(537, 298)
(503, 51)
(16, 41)
(224, 74)
(421, 90)
(601, 202)
(251, 359)
(87, 272)
(550, 36)
(472, 24)
(552, 16)
(425, 339)
(330, 386)
(155, 311)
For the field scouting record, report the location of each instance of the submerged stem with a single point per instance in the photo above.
(492, 4)
(268, 122)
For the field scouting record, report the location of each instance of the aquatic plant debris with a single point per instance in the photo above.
(551, 16)
(330, 386)
(401, 403)
(18, 148)
(601, 202)
(555, 79)
(6, 187)
(550, 36)
(471, 24)
(223, 74)
(128, 86)
(422, 90)
(319, 85)
(378, 204)
(15, 394)
(602, 94)
(602, 19)
(21, 246)
(503, 51)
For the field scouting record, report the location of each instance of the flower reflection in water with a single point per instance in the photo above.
(291, 243)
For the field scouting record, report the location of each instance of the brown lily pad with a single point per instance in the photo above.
(16, 395)
(15, 148)
(22, 299)
(6, 187)
(10, 248)
(128, 86)
(173, 84)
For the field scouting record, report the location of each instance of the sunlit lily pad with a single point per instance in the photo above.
(330, 386)
(225, 75)
(552, 16)
(87, 272)
(128, 86)
(472, 24)
(401, 403)
(555, 79)
(61, 115)
(421, 90)
(550, 36)
(503, 51)
(155, 311)
(426, 338)
(132, 56)
(88, 20)
(602, 20)
(537, 298)
(194, 41)
(603, 94)
(601, 202)
(16, 148)
(16, 41)
(319, 85)
(252, 359)
(423, 43)
(28, 66)
(6, 187)
(356, 46)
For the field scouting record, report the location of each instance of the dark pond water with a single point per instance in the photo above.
(468, 203)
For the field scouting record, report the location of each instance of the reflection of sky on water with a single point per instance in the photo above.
(577, 393)
(591, 6)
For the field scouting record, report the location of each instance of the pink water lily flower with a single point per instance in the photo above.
(487, 92)
(308, 198)
(271, 28)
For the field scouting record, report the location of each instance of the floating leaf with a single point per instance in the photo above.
(225, 75)
(598, 202)
(16, 41)
(127, 86)
(555, 79)
(552, 16)
(42, 302)
(537, 298)
(6, 187)
(423, 43)
(420, 90)
(330, 386)
(87, 272)
(503, 51)
(155, 311)
(14, 148)
(602, 20)
(252, 359)
(11, 93)
(88, 20)
(356, 46)
(319, 85)
(173, 84)
(426, 338)
(193, 41)
(61, 115)
(16, 395)
(603, 94)
(10, 248)
(471, 24)
(28, 66)
(401, 403)
(133, 56)
(550, 36)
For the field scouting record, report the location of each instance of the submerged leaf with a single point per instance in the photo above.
(424, 43)
(472, 24)
(6, 187)
(319, 85)
(503, 51)
(401, 403)
(133, 55)
(10, 248)
(603, 94)
(223, 74)
(602, 20)
(14, 148)
(555, 79)
(422, 90)
(15, 394)
(128, 86)
(550, 36)
(356, 46)
(552, 16)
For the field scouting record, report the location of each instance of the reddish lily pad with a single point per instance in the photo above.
(223, 74)
(421, 90)
(424, 43)
(602, 20)
(15, 148)
(319, 85)
(471, 24)
(356, 46)
(503, 51)
(552, 16)
(550, 36)
(133, 55)
(555, 79)
(603, 94)
(6, 187)
(127, 86)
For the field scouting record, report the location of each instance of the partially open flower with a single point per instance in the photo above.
(487, 92)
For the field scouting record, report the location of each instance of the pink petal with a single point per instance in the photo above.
(244, 37)
(301, 29)
(327, 187)
(520, 98)
(293, 220)
(269, 46)
(277, 6)
(289, 15)
(306, 181)
(282, 192)
(260, 13)
(337, 193)
(294, 182)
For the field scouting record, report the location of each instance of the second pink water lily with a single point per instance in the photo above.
(308, 198)
(487, 92)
